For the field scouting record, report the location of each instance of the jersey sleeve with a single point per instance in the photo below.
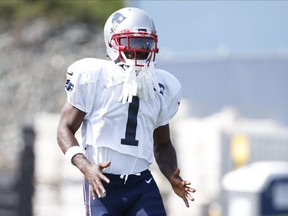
(78, 87)
(171, 91)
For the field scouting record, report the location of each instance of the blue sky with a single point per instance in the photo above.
(209, 25)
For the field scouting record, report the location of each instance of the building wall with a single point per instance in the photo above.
(255, 85)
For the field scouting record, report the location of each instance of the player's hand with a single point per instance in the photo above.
(94, 175)
(181, 187)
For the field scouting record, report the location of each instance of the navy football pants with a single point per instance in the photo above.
(137, 196)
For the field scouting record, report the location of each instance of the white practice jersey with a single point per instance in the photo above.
(125, 128)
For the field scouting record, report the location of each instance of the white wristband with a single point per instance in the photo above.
(72, 151)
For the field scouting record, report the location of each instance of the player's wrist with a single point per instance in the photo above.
(81, 162)
(72, 152)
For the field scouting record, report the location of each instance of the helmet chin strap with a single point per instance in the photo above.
(135, 62)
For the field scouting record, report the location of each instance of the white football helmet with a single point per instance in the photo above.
(130, 37)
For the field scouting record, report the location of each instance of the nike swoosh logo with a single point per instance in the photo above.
(70, 73)
(148, 181)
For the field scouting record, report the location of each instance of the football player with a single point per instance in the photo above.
(123, 106)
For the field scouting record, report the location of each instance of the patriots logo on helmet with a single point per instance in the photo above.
(116, 20)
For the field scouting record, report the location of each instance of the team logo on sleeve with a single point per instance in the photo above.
(161, 86)
(68, 85)
(116, 20)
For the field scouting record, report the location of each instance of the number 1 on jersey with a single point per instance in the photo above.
(130, 134)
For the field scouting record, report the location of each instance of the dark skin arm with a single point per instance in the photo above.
(165, 156)
(71, 119)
